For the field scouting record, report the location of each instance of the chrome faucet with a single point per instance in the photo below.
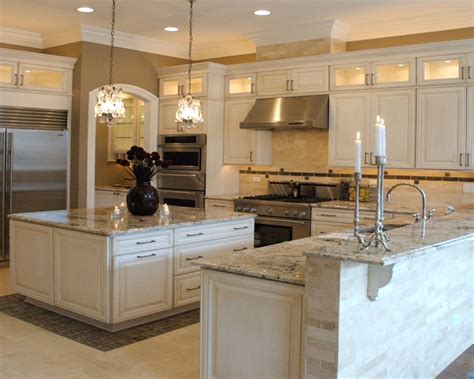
(423, 196)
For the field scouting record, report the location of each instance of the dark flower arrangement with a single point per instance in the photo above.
(141, 165)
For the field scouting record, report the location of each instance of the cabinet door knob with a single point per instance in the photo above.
(460, 159)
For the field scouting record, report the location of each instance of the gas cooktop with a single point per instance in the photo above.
(286, 199)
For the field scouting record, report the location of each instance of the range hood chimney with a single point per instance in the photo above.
(300, 112)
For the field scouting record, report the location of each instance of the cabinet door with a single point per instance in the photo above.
(393, 73)
(346, 77)
(143, 284)
(444, 69)
(348, 114)
(238, 143)
(8, 74)
(273, 83)
(470, 128)
(81, 273)
(309, 80)
(31, 251)
(167, 117)
(441, 128)
(397, 108)
(174, 87)
(240, 85)
(43, 78)
(170, 88)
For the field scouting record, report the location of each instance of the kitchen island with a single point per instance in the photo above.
(116, 272)
(342, 312)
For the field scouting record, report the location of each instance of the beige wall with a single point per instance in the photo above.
(22, 48)
(300, 49)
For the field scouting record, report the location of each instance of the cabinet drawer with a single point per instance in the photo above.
(220, 204)
(340, 216)
(213, 231)
(142, 242)
(319, 228)
(187, 289)
(186, 254)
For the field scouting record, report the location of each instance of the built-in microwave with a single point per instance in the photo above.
(185, 152)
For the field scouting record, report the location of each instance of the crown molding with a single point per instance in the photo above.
(88, 33)
(230, 48)
(300, 32)
(19, 37)
(433, 22)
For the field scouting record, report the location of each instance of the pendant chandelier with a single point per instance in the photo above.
(189, 114)
(109, 104)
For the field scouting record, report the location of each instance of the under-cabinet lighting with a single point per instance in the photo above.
(85, 9)
(262, 12)
(171, 29)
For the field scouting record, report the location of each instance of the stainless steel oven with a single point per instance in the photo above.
(185, 152)
(183, 198)
(270, 230)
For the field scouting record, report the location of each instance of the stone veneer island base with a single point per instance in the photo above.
(344, 313)
(118, 272)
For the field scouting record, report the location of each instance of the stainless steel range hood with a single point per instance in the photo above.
(301, 112)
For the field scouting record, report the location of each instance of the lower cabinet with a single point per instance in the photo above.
(142, 284)
(32, 260)
(82, 273)
(250, 327)
(187, 289)
(220, 204)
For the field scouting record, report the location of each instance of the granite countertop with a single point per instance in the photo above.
(112, 188)
(230, 196)
(100, 220)
(286, 262)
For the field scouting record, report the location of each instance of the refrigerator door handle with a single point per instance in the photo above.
(3, 248)
(8, 176)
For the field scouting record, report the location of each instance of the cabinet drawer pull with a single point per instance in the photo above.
(252, 88)
(366, 79)
(287, 85)
(291, 86)
(468, 159)
(146, 256)
(145, 242)
(327, 215)
(194, 288)
(240, 227)
(371, 156)
(251, 156)
(194, 258)
(469, 76)
(218, 205)
(21, 79)
(195, 234)
(16, 79)
(241, 249)
(462, 72)
(365, 157)
(460, 159)
(372, 79)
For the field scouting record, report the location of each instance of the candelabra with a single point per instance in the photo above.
(378, 237)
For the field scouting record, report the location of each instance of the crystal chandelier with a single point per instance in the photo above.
(109, 105)
(189, 114)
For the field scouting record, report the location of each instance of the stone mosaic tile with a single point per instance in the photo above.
(14, 306)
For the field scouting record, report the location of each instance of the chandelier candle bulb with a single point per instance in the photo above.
(358, 157)
(380, 137)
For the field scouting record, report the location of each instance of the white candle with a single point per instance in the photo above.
(379, 137)
(165, 210)
(358, 158)
(384, 138)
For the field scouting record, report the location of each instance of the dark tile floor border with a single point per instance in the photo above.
(14, 306)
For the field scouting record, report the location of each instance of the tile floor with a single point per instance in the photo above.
(27, 351)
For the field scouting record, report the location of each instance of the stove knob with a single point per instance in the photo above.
(269, 211)
(295, 213)
(238, 209)
(303, 214)
(253, 210)
(245, 209)
(286, 213)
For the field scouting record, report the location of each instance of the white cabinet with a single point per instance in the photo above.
(142, 284)
(470, 129)
(187, 289)
(250, 328)
(8, 74)
(109, 198)
(352, 112)
(176, 86)
(44, 78)
(243, 146)
(444, 69)
(441, 128)
(240, 85)
(82, 274)
(470, 68)
(32, 260)
(297, 81)
(167, 119)
(378, 74)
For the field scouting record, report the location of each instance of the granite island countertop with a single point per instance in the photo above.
(286, 262)
(100, 220)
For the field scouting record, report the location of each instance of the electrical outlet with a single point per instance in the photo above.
(468, 188)
(256, 179)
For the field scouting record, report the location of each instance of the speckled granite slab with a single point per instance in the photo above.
(100, 221)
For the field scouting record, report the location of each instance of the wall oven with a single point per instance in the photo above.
(270, 231)
(183, 183)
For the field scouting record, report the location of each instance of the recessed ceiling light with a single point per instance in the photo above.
(262, 12)
(171, 29)
(85, 9)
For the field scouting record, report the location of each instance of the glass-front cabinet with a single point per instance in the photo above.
(240, 85)
(8, 74)
(350, 76)
(443, 69)
(41, 77)
(174, 87)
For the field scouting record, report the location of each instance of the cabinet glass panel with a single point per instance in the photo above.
(442, 69)
(350, 76)
(393, 73)
(141, 123)
(170, 87)
(240, 85)
(6, 73)
(34, 77)
(196, 85)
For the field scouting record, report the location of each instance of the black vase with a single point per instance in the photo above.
(142, 199)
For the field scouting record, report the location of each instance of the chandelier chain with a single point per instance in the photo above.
(112, 40)
(190, 44)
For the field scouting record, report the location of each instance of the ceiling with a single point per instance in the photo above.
(226, 23)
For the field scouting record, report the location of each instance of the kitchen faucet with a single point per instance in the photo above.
(423, 196)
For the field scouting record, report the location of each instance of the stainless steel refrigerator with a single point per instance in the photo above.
(33, 164)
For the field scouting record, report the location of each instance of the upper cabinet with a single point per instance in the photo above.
(167, 118)
(378, 74)
(446, 69)
(8, 74)
(176, 86)
(240, 85)
(297, 81)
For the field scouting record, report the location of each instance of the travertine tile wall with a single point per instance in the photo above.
(300, 49)
(420, 323)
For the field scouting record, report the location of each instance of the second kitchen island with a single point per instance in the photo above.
(118, 272)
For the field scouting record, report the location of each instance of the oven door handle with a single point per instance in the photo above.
(280, 221)
(171, 191)
(164, 174)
